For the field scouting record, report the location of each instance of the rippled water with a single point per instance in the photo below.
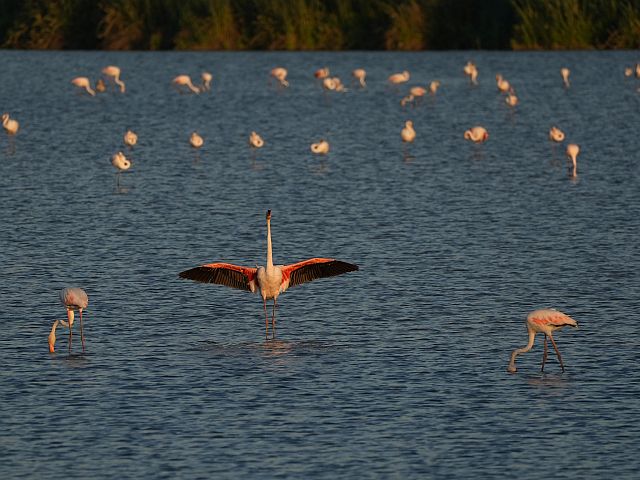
(395, 371)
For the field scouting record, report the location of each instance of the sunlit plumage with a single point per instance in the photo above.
(73, 298)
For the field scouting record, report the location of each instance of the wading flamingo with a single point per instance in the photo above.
(511, 99)
(433, 87)
(472, 72)
(83, 82)
(10, 125)
(556, 135)
(73, 298)
(628, 72)
(280, 74)
(271, 280)
(329, 83)
(255, 140)
(503, 85)
(130, 138)
(417, 91)
(320, 148)
(322, 73)
(120, 162)
(408, 99)
(196, 140)
(543, 321)
(477, 134)
(114, 72)
(408, 134)
(572, 153)
(360, 74)
(565, 76)
(398, 78)
(184, 81)
(100, 86)
(206, 81)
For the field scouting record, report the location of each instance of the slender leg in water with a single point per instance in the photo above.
(266, 319)
(81, 331)
(553, 342)
(544, 355)
(70, 335)
(273, 319)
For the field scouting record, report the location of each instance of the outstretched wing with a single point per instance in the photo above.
(234, 276)
(308, 270)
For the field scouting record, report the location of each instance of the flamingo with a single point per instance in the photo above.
(255, 140)
(130, 138)
(196, 140)
(360, 74)
(477, 134)
(418, 91)
(544, 321)
(408, 134)
(321, 73)
(511, 98)
(114, 72)
(433, 87)
(637, 70)
(100, 86)
(280, 74)
(83, 82)
(556, 134)
(572, 153)
(408, 99)
(471, 70)
(120, 162)
(503, 85)
(73, 298)
(184, 81)
(628, 72)
(329, 83)
(271, 280)
(206, 81)
(398, 78)
(10, 125)
(320, 148)
(565, 76)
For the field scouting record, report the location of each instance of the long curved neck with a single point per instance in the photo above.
(518, 351)
(269, 251)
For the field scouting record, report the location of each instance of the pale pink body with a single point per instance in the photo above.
(565, 76)
(572, 152)
(280, 74)
(10, 125)
(408, 134)
(477, 134)
(398, 78)
(84, 82)
(503, 85)
(360, 74)
(114, 72)
(556, 134)
(185, 81)
(320, 148)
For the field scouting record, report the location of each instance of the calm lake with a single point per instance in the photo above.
(395, 371)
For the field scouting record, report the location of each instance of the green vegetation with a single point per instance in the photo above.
(319, 24)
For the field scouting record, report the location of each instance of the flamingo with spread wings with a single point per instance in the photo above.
(271, 280)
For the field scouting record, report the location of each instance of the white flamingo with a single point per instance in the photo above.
(271, 280)
(544, 321)
(565, 76)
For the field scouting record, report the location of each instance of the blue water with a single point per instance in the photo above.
(395, 371)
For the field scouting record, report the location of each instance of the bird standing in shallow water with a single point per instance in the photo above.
(114, 72)
(196, 140)
(544, 321)
(556, 135)
(360, 75)
(280, 74)
(565, 76)
(73, 298)
(408, 134)
(271, 280)
(320, 148)
(83, 82)
(572, 153)
(120, 162)
(184, 81)
(477, 134)
(255, 140)
(130, 139)
(10, 125)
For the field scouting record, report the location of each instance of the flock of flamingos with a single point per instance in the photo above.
(272, 280)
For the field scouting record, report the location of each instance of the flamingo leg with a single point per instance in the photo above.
(553, 342)
(70, 337)
(81, 331)
(273, 319)
(544, 355)
(266, 319)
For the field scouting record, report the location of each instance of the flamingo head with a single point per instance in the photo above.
(268, 214)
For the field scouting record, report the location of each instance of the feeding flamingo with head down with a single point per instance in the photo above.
(544, 321)
(114, 72)
(360, 74)
(73, 298)
(184, 81)
(84, 82)
(271, 280)
(477, 134)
